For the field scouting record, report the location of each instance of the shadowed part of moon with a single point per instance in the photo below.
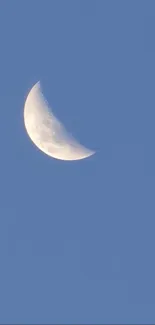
(47, 132)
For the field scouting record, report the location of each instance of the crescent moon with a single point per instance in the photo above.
(47, 132)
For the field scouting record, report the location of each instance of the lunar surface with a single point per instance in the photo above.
(47, 132)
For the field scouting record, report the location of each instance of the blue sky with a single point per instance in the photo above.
(77, 238)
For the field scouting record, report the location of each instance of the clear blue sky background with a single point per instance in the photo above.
(77, 240)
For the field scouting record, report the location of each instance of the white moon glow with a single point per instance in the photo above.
(47, 132)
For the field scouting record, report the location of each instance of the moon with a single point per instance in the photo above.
(47, 132)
